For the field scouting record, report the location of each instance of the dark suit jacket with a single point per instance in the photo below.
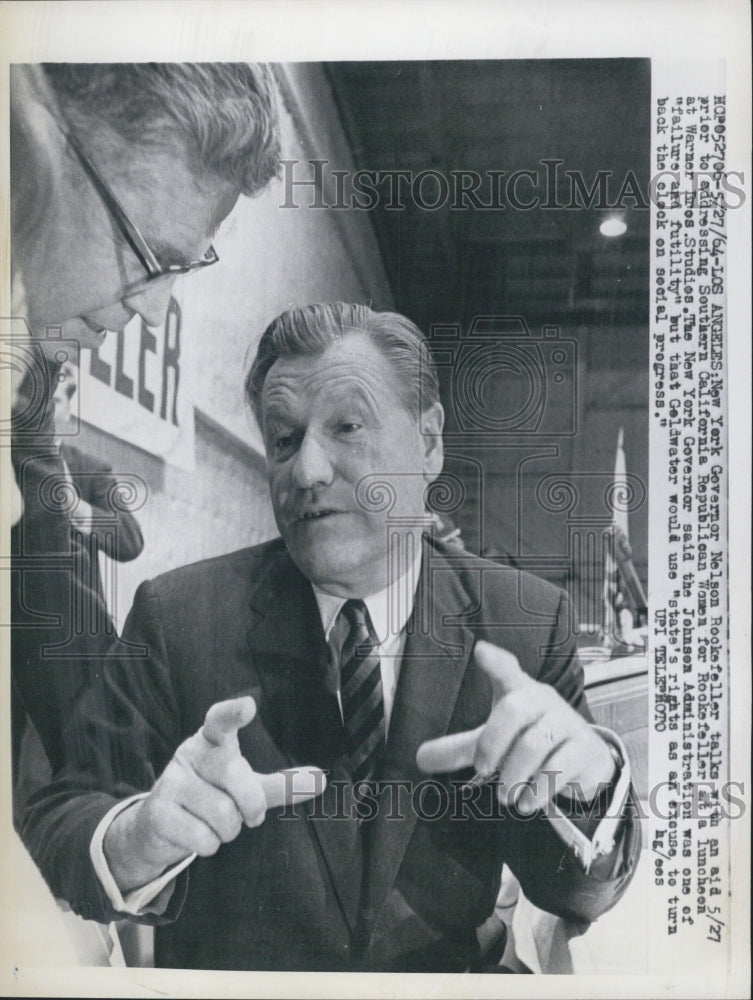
(114, 530)
(118, 535)
(299, 892)
(60, 623)
(48, 685)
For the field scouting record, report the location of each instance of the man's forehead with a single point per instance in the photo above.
(351, 364)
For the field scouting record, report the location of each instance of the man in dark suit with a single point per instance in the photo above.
(99, 514)
(121, 174)
(440, 694)
(99, 521)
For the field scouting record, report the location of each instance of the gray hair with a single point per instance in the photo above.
(225, 114)
(310, 330)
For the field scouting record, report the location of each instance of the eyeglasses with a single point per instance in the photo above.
(131, 233)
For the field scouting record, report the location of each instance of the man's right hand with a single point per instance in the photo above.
(202, 799)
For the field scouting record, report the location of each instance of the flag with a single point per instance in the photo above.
(613, 601)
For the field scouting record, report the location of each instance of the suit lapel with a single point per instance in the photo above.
(436, 655)
(302, 716)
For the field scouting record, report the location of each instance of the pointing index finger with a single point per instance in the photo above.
(448, 753)
(292, 786)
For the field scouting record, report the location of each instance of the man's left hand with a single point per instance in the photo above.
(540, 746)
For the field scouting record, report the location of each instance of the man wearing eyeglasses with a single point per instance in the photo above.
(120, 176)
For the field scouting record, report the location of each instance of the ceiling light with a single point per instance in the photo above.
(613, 226)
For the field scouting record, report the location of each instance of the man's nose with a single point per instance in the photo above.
(151, 302)
(312, 466)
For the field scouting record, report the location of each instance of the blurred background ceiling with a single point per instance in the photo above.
(551, 265)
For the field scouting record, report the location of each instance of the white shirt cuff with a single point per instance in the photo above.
(135, 903)
(604, 837)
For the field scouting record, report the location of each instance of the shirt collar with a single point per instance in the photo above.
(389, 609)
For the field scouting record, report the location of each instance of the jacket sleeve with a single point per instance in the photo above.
(551, 875)
(125, 732)
(61, 626)
(100, 488)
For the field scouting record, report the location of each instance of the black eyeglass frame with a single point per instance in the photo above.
(130, 230)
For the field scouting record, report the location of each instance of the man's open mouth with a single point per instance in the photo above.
(315, 515)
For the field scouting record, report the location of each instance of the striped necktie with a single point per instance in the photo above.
(361, 693)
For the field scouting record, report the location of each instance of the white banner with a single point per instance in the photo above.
(138, 387)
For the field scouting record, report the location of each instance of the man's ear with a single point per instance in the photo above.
(432, 422)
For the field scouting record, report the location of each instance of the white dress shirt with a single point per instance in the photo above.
(389, 610)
